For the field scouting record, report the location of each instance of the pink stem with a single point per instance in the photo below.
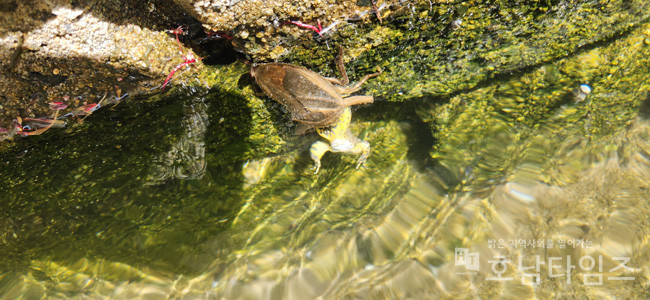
(303, 25)
(176, 32)
(169, 77)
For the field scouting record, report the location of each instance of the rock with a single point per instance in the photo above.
(58, 48)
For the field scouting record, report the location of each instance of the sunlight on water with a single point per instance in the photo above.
(439, 232)
(538, 188)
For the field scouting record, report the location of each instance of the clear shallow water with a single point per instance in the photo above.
(169, 198)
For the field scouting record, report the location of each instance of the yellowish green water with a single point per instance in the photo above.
(526, 187)
(399, 233)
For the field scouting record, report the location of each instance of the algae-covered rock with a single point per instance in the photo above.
(269, 29)
(435, 48)
(601, 89)
(76, 53)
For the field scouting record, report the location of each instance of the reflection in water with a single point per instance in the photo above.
(186, 158)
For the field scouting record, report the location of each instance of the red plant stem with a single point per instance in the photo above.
(179, 44)
(177, 31)
(374, 6)
(39, 131)
(169, 77)
(218, 35)
(303, 25)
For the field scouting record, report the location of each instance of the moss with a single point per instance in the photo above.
(422, 47)
(424, 56)
(501, 118)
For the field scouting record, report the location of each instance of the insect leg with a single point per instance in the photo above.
(317, 151)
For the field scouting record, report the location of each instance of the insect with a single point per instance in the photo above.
(341, 140)
(316, 102)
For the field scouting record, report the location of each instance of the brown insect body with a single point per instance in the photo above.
(313, 100)
(310, 98)
(317, 102)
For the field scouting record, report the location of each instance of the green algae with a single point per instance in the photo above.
(420, 45)
(92, 187)
(425, 58)
(518, 108)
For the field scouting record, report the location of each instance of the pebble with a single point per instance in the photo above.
(582, 92)
(456, 24)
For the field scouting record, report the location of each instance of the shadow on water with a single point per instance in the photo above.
(88, 191)
(418, 133)
(644, 109)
